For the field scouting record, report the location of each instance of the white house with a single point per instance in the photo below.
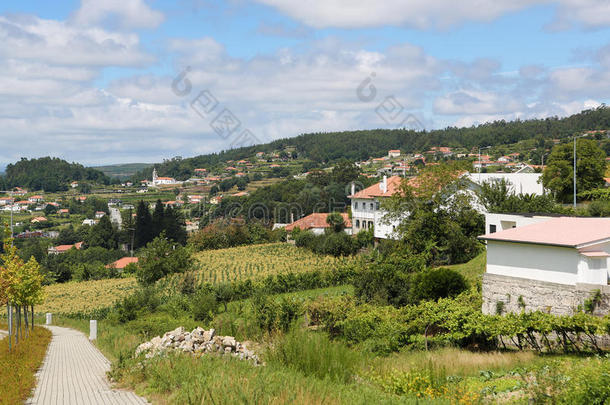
(366, 208)
(501, 222)
(394, 153)
(316, 223)
(520, 183)
(562, 250)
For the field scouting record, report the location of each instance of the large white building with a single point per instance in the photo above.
(366, 208)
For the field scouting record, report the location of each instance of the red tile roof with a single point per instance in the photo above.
(122, 263)
(562, 231)
(316, 220)
(375, 189)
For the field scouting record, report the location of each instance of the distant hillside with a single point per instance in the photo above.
(324, 148)
(122, 171)
(48, 174)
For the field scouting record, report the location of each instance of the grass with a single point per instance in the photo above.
(472, 270)
(455, 361)
(18, 367)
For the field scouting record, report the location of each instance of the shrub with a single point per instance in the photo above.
(160, 258)
(439, 283)
(204, 305)
(271, 315)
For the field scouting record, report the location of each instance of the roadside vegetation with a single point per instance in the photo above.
(18, 366)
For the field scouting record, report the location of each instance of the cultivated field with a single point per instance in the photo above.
(257, 261)
(84, 296)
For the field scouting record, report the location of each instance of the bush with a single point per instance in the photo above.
(204, 305)
(141, 301)
(271, 315)
(438, 283)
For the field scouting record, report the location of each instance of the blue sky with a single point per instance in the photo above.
(91, 81)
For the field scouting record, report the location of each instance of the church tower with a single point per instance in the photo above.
(154, 177)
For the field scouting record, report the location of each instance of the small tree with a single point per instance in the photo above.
(160, 258)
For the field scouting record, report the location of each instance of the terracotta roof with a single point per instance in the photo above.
(65, 248)
(375, 189)
(316, 220)
(562, 231)
(122, 263)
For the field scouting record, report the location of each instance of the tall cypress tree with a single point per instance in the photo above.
(174, 226)
(144, 229)
(158, 216)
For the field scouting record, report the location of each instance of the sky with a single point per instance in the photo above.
(119, 81)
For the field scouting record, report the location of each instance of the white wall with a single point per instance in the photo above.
(508, 221)
(385, 227)
(535, 262)
(521, 183)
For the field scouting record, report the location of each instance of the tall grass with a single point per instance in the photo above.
(18, 367)
(455, 361)
(314, 354)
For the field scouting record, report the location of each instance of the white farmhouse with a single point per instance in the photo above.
(551, 266)
(366, 208)
(563, 250)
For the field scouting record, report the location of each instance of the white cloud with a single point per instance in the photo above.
(433, 14)
(126, 13)
(58, 43)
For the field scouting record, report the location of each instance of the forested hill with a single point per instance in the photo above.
(48, 174)
(360, 145)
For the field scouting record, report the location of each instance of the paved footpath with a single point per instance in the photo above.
(74, 372)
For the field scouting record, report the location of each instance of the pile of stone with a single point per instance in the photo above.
(197, 342)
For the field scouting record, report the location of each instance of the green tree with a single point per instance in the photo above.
(158, 218)
(160, 258)
(103, 234)
(336, 222)
(590, 168)
(144, 229)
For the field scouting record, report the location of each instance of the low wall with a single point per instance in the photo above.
(557, 299)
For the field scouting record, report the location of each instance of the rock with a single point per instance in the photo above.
(197, 342)
(229, 341)
(209, 335)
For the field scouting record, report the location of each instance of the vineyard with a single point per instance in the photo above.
(258, 261)
(213, 266)
(84, 296)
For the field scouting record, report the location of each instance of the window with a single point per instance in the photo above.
(357, 223)
(377, 205)
(372, 207)
(492, 228)
(356, 205)
(370, 224)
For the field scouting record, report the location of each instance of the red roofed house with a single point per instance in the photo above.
(366, 210)
(394, 153)
(553, 265)
(36, 198)
(122, 263)
(316, 223)
(55, 250)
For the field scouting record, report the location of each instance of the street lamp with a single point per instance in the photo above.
(574, 179)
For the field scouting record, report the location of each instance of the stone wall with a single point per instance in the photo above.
(558, 299)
